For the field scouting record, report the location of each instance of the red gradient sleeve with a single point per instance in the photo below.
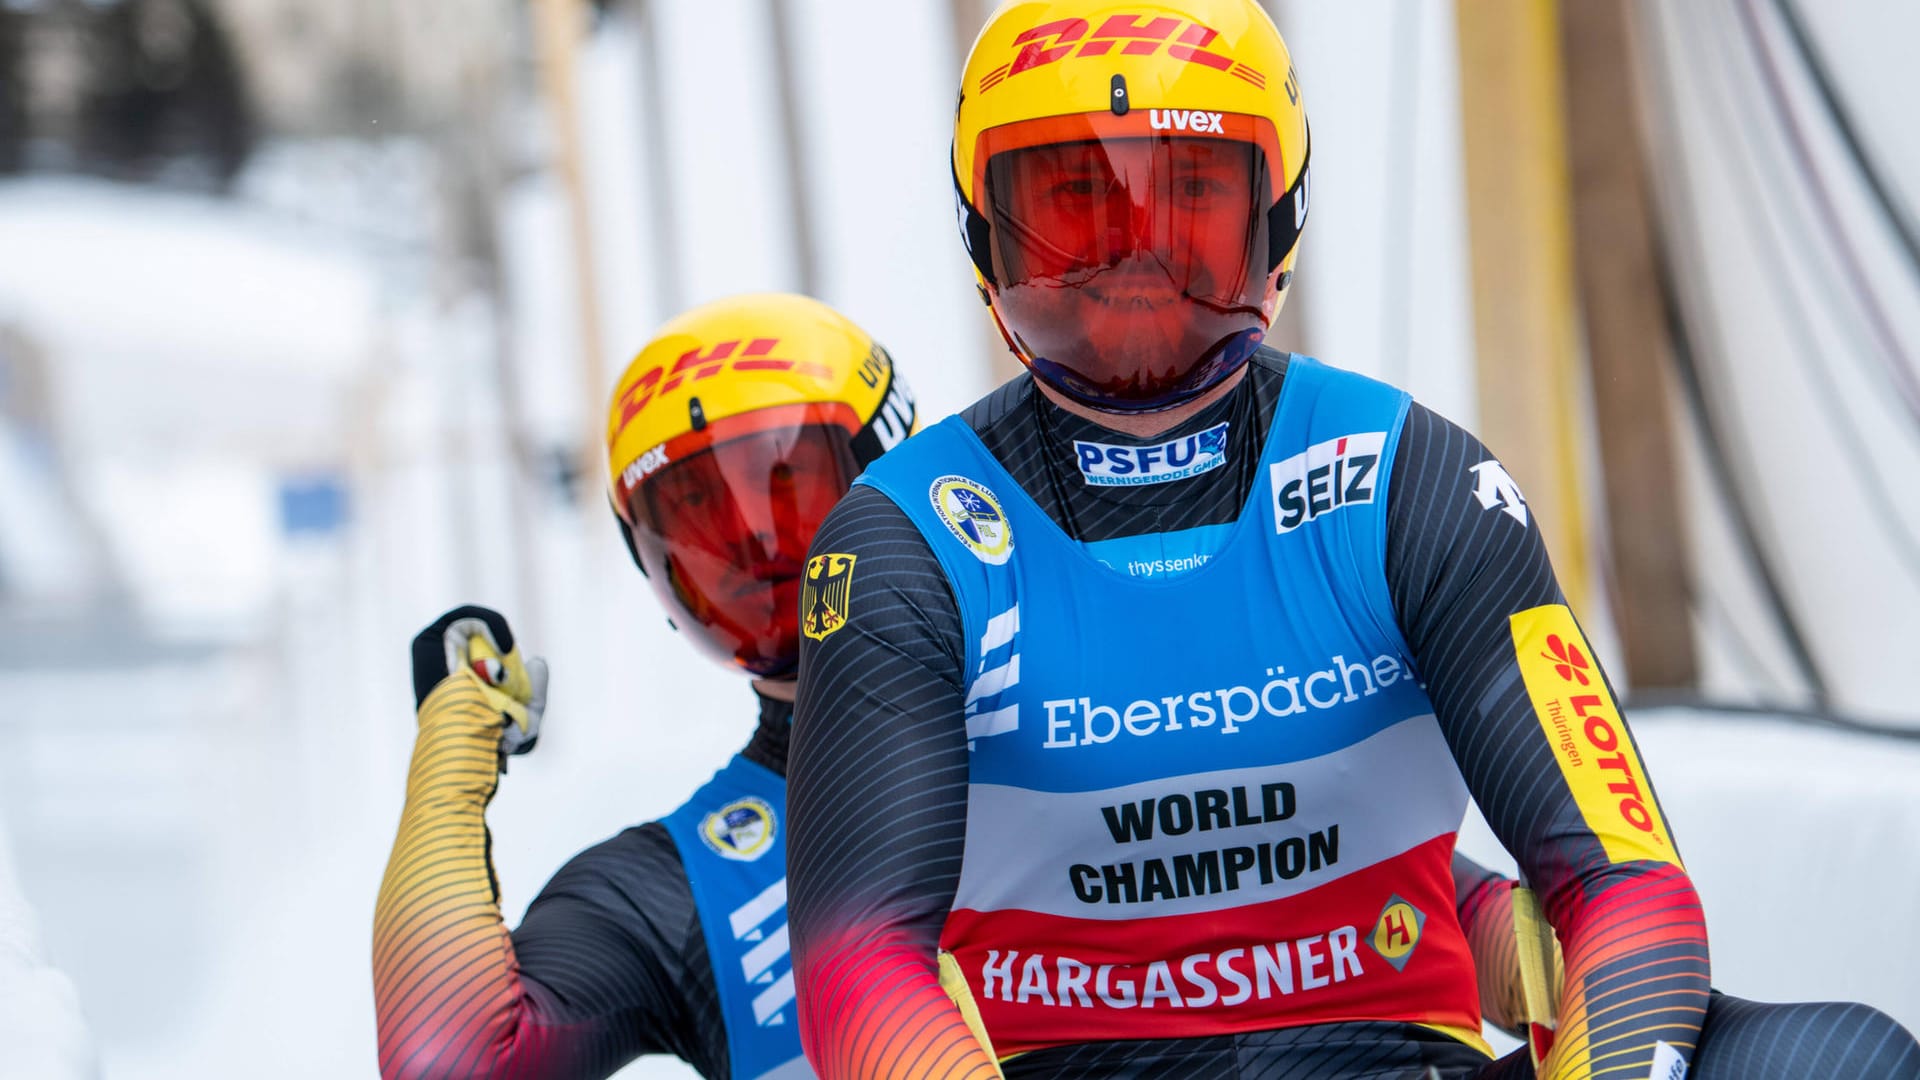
(876, 1009)
(1484, 901)
(448, 993)
(1613, 886)
(1636, 962)
(1548, 757)
(877, 812)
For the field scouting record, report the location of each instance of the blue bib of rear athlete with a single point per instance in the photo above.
(731, 837)
(1207, 792)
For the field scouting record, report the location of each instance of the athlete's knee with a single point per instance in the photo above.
(1751, 1040)
(1871, 1043)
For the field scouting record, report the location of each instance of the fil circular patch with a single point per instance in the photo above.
(742, 830)
(974, 517)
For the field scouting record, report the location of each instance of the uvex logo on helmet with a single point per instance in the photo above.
(1126, 35)
(694, 365)
(1194, 120)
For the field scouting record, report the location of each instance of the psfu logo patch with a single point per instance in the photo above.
(1110, 465)
(826, 594)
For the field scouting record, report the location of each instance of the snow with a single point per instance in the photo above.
(40, 1021)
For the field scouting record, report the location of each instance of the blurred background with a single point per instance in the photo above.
(308, 312)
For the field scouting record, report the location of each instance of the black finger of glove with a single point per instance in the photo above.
(430, 646)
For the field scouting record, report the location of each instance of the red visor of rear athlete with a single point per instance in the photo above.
(1132, 269)
(723, 533)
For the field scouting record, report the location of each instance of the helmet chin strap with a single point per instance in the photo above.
(975, 231)
(1288, 216)
(778, 689)
(1144, 425)
(626, 536)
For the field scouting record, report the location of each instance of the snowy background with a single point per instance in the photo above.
(251, 440)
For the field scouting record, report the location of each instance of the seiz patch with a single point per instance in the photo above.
(826, 594)
(1589, 738)
(974, 517)
(1397, 931)
(1327, 476)
(1110, 465)
(742, 830)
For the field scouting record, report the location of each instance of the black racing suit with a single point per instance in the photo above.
(881, 755)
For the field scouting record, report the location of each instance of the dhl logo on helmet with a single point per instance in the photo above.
(1132, 35)
(865, 397)
(694, 365)
(736, 355)
(1089, 72)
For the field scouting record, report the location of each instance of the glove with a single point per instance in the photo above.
(474, 643)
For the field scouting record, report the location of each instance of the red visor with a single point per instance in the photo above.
(723, 535)
(1131, 269)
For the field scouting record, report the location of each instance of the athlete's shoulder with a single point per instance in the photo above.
(1441, 463)
(912, 474)
(1463, 548)
(632, 885)
(865, 520)
(642, 851)
(1269, 361)
(1004, 404)
(1327, 373)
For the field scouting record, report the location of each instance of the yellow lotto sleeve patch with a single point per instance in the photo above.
(1589, 738)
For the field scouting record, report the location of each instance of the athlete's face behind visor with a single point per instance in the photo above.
(723, 535)
(1132, 270)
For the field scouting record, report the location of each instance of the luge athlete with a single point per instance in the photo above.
(1170, 665)
(729, 438)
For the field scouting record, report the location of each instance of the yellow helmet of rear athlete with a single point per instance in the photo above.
(1132, 181)
(728, 439)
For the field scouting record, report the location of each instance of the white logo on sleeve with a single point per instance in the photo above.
(1493, 487)
(1667, 1063)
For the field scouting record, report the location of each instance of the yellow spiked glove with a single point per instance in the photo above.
(475, 645)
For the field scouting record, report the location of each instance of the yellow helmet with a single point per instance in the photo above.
(729, 437)
(1132, 181)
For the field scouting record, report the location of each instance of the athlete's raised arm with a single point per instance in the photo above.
(581, 989)
(877, 803)
(1546, 753)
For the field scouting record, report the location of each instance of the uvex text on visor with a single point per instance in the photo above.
(1132, 182)
(730, 437)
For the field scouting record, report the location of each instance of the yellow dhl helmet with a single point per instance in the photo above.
(729, 437)
(1132, 182)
